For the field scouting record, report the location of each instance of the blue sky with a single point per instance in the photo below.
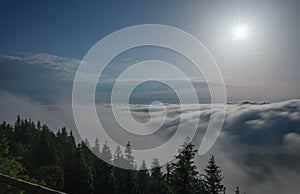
(265, 67)
(71, 28)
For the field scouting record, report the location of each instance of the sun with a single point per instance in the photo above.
(240, 32)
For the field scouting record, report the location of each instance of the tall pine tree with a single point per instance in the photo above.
(213, 178)
(237, 190)
(142, 179)
(184, 176)
(156, 182)
(130, 174)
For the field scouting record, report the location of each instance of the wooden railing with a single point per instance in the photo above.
(27, 186)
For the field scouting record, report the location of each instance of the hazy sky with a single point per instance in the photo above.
(265, 66)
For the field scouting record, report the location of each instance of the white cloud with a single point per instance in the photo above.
(257, 149)
(292, 143)
(58, 63)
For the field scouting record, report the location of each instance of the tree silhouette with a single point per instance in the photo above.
(129, 175)
(156, 181)
(129, 157)
(184, 176)
(96, 148)
(143, 179)
(213, 178)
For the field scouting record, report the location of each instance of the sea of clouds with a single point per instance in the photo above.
(258, 148)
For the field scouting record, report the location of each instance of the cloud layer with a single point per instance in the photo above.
(257, 149)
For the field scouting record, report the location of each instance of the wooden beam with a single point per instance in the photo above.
(27, 186)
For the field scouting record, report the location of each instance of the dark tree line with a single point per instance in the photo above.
(35, 153)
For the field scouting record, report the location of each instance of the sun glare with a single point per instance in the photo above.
(240, 32)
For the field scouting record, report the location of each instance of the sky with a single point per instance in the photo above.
(263, 67)
(42, 44)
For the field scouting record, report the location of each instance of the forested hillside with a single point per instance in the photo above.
(33, 152)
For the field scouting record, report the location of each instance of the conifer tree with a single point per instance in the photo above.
(167, 178)
(96, 148)
(184, 176)
(106, 153)
(213, 178)
(130, 174)
(237, 190)
(87, 143)
(156, 181)
(128, 156)
(119, 173)
(119, 159)
(142, 179)
(80, 178)
(104, 172)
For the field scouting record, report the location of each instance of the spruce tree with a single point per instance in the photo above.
(129, 157)
(156, 181)
(106, 153)
(142, 179)
(119, 159)
(79, 178)
(96, 148)
(104, 171)
(167, 178)
(237, 190)
(119, 173)
(184, 176)
(129, 177)
(213, 178)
